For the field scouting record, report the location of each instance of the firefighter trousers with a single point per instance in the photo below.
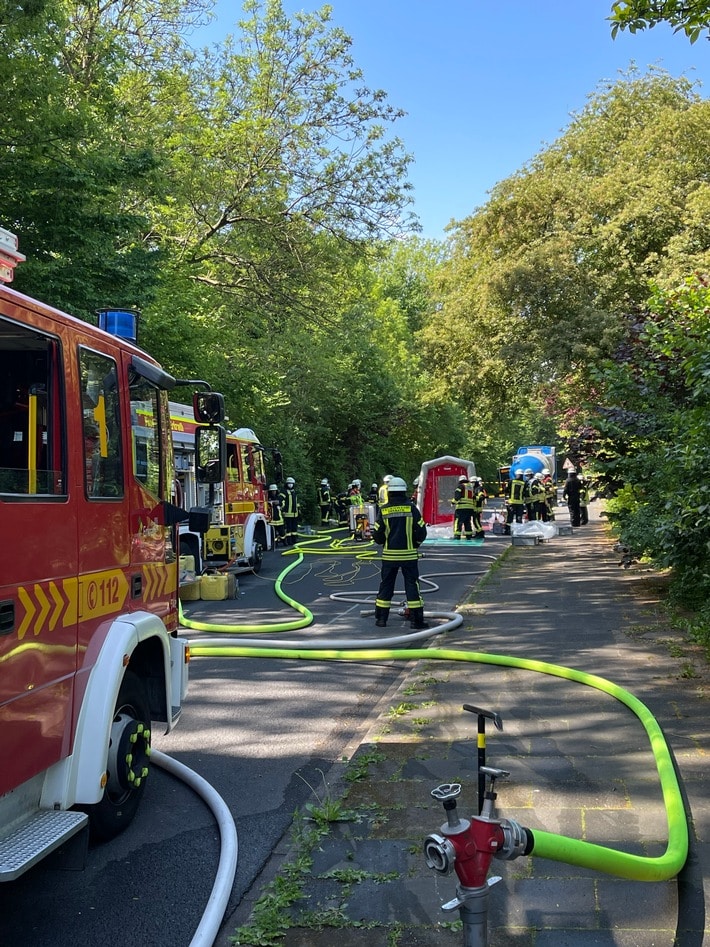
(388, 577)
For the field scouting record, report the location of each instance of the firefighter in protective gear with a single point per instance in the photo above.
(528, 493)
(274, 499)
(571, 493)
(382, 492)
(290, 511)
(479, 501)
(400, 530)
(325, 501)
(537, 495)
(357, 507)
(464, 506)
(342, 503)
(516, 500)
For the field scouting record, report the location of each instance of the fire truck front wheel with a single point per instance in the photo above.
(128, 758)
(257, 557)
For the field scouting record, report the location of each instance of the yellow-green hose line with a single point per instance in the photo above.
(293, 625)
(261, 629)
(546, 844)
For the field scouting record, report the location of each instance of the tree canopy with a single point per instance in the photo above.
(690, 16)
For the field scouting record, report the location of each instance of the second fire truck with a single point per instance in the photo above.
(239, 530)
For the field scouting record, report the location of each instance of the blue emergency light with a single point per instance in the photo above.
(120, 322)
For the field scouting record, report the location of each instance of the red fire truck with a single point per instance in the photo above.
(239, 532)
(88, 584)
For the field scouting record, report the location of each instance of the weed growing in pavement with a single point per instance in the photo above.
(401, 709)
(417, 687)
(360, 764)
(270, 918)
(350, 876)
(331, 917)
(393, 936)
(327, 809)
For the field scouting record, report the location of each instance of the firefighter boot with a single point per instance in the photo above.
(381, 615)
(416, 618)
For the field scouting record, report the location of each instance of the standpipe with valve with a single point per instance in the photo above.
(469, 846)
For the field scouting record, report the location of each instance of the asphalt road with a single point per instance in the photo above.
(263, 732)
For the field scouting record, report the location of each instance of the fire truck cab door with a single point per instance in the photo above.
(39, 594)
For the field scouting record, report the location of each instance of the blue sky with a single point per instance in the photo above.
(486, 85)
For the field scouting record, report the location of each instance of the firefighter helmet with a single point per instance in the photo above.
(397, 485)
(518, 472)
(290, 482)
(324, 482)
(272, 486)
(463, 479)
(538, 476)
(528, 471)
(387, 478)
(357, 483)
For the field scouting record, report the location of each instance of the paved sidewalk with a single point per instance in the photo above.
(579, 760)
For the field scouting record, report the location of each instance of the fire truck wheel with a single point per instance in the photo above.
(257, 558)
(128, 758)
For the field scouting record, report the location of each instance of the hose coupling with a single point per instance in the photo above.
(439, 854)
(517, 840)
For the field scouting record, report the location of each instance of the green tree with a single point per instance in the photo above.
(540, 282)
(690, 16)
(650, 432)
(281, 163)
(75, 176)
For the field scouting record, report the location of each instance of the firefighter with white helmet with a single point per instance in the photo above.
(290, 511)
(528, 493)
(325, 501)
(400, 530)
(274, 499)
(463, 505)
(479, 501)
(382, 492)
(537, 495)
(516, 499)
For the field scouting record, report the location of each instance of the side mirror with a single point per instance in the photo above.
(210, 454)
(208, 407)
(199, 521)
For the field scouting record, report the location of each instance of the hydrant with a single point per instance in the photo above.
(469, 846)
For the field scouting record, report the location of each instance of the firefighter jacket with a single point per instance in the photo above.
(275, 509)
(537, 491)
(289, 506)
(399, 529)
(323, 496)
(464, 497)
(517, 492)
(382, 494)
(479, 498)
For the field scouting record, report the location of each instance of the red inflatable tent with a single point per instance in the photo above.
(438, 480)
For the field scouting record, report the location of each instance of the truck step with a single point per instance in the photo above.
(43, 832)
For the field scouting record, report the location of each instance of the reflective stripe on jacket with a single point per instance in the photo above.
(400, 529)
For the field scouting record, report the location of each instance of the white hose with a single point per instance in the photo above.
(209, 925)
